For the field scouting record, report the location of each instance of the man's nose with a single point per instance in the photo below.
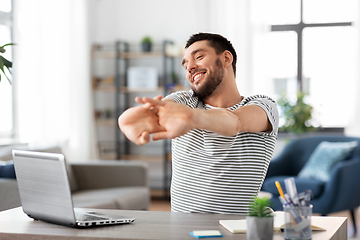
(191, 66)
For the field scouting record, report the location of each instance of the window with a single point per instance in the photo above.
(6, 120)
(313, 50)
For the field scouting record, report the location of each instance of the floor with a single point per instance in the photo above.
(158, 203)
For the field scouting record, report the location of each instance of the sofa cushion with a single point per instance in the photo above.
(324, 157)
(126, 198)
(302, 184)
(9, 194)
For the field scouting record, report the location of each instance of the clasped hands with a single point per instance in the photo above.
(163, 118)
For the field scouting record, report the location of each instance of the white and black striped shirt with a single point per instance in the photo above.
(218, 174)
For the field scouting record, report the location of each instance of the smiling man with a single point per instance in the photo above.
(222, 142)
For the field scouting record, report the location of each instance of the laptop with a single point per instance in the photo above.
(45, 192)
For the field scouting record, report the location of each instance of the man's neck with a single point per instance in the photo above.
(224, 98)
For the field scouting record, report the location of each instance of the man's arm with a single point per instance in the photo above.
(137, 123)
(178, 119)
(250, 118)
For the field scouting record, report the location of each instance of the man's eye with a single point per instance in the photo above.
(199, 57)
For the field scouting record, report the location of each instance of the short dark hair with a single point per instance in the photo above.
(216, 41)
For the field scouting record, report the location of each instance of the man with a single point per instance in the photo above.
(222, 143)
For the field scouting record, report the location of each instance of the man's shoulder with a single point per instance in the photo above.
(184, 97)
(258, 97)
(188, 93)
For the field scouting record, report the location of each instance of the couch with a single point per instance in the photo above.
(341, 191)
(107, 184)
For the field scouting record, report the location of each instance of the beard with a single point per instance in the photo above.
(213, 81)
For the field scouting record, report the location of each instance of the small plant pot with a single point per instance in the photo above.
(259, 228)
(146, 47)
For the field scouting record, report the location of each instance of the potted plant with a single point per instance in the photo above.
(4, 63)
(146, 43)
(297, 116)
(260, 221)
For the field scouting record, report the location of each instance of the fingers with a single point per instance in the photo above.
(139, 100)
(150, 103)
(144, 138)
(153, 101)
(142, 101)
(160, 135)
(159, 97)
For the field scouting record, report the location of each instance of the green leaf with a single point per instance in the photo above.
(4, 63)
(297, 116)
(260, 207)
(8, 44)
(2, 48)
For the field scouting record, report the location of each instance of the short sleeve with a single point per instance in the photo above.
(272, 112)
(184, 97)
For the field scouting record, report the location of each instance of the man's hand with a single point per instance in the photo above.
(137, 123)
(175, 119)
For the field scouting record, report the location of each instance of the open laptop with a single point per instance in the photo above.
(45, 192)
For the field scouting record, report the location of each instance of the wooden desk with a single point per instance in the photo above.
(14, 224)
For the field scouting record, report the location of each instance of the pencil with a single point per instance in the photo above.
(280, 189)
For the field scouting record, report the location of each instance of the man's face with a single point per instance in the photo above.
(204, 69)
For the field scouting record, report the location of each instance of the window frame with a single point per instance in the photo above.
(298, 29)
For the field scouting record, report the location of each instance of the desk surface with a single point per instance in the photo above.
(14, 224)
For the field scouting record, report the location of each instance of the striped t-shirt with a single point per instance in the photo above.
(217, 174)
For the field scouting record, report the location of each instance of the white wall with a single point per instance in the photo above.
(131, 20)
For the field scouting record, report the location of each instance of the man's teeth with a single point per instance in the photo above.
(197, 76)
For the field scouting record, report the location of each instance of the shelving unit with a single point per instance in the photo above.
(115, 86)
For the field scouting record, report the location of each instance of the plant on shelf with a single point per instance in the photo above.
(297, 116)
(4, 63)
(146, 44)
(260, 220)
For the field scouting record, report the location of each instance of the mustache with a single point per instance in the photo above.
(197, 71)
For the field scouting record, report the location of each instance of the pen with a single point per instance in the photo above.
(291, 190)
(283, 200)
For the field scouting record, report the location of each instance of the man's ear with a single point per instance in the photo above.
(228, 58)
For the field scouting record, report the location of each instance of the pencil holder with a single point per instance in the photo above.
(297, 222)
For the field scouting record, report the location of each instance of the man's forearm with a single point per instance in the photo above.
(228, 123)
(221, 121)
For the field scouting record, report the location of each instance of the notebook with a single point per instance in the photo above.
(239, 226)
(45, 192)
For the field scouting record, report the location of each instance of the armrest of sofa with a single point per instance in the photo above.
(279, 166)
(9, 194)
(343, 190)
(110, 174)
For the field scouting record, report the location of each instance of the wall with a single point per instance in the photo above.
(131, 20)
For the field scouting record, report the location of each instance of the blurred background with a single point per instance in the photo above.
(283, 47)
(78, 64)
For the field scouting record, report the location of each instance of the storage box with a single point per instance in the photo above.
(142, 78)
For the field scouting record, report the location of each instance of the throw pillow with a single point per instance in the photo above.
(7, 171)
(324, 157)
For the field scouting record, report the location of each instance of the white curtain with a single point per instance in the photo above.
(51, 65)
(354, 127)
(242, 22)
